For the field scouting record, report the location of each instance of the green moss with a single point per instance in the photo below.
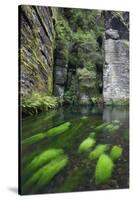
(43, 158)
(126, 135)
(116, 152)
(74, 179)
(101, 127)
(50, 133)
(44, 175)
(108, 126)
(111, 128)
(36, 103)
(33, 139)
(99, 150)
(59, 129)
(104, 169)
(92, 135)
(86, 145)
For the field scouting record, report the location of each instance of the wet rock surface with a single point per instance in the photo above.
(116, 68)
(37, 34)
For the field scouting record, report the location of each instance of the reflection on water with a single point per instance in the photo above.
(113, 113)
(50, 158)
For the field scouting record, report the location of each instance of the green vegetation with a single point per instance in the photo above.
(104, 169)
(98, 151)
(44, 175)
(87, 144)
(74, 179)
(37, 103)
(101, 127)
(92, 135)
(108, 126)
(58, 130)
(43, 158)
(116, 152)
(33, 139)
(77, 42)
(50, 133)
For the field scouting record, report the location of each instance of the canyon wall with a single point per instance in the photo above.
(116, 68)
(37, 36)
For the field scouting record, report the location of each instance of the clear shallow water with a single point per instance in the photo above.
(79, 173)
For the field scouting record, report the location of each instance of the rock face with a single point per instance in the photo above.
(116, 69)
(60, 67)
(37, 35)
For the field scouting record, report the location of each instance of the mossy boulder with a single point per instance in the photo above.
(104, 169)
(116, 152)
(99, 150)
(86, 145)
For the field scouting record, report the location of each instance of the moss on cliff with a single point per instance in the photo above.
(79, 31)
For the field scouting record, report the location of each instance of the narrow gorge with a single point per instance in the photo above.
(80, 56)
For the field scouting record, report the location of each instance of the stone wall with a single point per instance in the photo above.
(116, 68)
(37, 35)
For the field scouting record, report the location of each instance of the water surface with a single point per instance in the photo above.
(79, 173)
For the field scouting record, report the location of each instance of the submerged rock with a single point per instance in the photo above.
(104, 169)
(116, 152)
(86, 145)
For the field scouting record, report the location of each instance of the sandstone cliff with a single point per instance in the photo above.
(116, 68)
(37, 35)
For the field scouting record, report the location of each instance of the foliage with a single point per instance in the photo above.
(33, 139)
(116, 152)
(99, 150)
(45, 174)
(36, 103)
(108, 126)
(84, 19)
(101, 126)
(43, 158)
(104, 169)
(59, 129)
(87, 144)
(92, 135)
(50, 133)
(63, 30)
(73, 180)
(70, 97)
